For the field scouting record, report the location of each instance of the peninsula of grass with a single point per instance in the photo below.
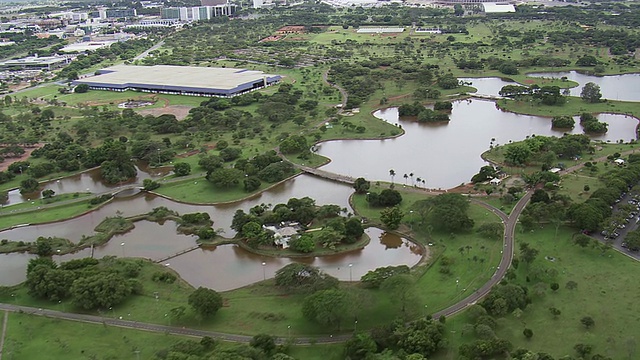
(573, 106)
(46, 214)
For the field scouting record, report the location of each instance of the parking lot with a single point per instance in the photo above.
(627, 215)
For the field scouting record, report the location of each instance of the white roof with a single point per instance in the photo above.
(498, 8)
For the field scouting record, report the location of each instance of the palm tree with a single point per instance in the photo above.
(419, 181)
(411, 176)
(405, 176)
(392, 173)
(424, 183)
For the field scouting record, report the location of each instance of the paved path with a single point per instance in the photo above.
(146, 52)
(4, 332)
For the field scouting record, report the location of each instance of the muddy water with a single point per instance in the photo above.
(447, 154)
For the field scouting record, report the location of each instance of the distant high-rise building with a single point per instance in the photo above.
(257, 4)
(198, 12)
(213, 2)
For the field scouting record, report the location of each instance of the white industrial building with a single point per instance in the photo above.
(493, 8)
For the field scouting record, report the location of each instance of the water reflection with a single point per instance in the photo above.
(88, 181)
(448, 155)
(229, 266)
(614, 87)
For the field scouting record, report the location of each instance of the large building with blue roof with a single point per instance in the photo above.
(179, 80)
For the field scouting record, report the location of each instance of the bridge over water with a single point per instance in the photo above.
(328, 175)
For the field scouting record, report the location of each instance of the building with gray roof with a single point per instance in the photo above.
(179, 80)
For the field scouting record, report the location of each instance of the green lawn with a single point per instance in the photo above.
(607, 291)
(33, 337)
(44, 215)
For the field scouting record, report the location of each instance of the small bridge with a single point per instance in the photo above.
(177, 254)
(488, 97)
(328, 175)
(127, 190)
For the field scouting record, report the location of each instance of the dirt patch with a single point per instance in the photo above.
(180, 111)
(27, 152)
(529, 81)
(194, 152)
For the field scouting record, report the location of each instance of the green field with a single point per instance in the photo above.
(606, 291)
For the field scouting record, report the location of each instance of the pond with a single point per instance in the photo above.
(226, 267)
(88, 181)
(614, 87)
(448, 154)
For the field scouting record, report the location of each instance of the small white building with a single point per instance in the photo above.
(619, 162)
(495, 181)
(282, 235)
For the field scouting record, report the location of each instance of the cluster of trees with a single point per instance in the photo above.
(510, 67)
(89, 283)
(336, 229)
(447, 212)
(267, 167)
(486, 172)
(261, 347)
(547, 150)
(386, 198)
(424, 114)
(591, 124)
(547, 95)
(563, 122)
(592, 214)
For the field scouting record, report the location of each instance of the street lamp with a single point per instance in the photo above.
(264, 273)
(368, 203)
(288, 330)
(350, 273)
(122, 244)
(158, 156)
(411, 220)
(355, 326)
(457, 283)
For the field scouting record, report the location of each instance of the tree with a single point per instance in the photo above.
(591, 93)
(225, 177)
(400, 290)
(48, 194)
(528, 333)
(587, 322)
(360, 347)
(582, 240)
(264, 342)
(517, 154)
(571, 285)
(392, 173)
(205, 302)
(327, 307)
(182, 169)
(304, 278)
(554, 286)
(303, 244)
(251, 183)
(29, 185)
(100, 291)
(583, 350)
(633, 240)
(555, 312)
(81, 88)
(361, 185)
(527, 253)
(391, 217)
